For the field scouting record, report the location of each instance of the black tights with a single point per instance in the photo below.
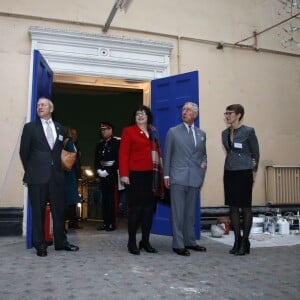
(139, 215)
(236, 224)
(141, 205)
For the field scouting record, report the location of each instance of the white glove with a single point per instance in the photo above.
(102, 173)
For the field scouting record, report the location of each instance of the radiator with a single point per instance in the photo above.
(283, 185)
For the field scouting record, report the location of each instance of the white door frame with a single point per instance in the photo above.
(86, 55)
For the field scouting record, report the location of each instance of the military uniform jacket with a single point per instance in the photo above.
(107, 158)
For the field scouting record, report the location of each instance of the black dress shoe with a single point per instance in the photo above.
(182, 251)
(148, 248)
(101, 227)
(110, 228)
(133, 249)
(68, 247)
(41, 252)
(196, 248)
(75, 226)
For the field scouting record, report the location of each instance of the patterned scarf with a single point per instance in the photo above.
(158, 180)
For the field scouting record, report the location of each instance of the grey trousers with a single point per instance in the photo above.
(183, 205)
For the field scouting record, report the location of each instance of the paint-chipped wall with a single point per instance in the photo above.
(266, 82)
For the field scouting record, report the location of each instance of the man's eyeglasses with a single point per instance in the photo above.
(228, 113)
(140, 113)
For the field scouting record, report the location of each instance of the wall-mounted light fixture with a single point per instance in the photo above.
(119, 4)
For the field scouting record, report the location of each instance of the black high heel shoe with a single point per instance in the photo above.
(236, 246)
(147, 247)
(244, 247)
(133, 249)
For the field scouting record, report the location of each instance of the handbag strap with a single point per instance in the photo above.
(65, 143)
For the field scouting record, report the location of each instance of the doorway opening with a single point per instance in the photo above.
(83, 103)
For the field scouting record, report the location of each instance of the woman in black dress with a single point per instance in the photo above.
(242, 157)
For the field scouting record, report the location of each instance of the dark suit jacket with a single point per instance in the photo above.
(38, 160)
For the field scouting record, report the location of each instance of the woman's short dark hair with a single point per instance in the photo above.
(148, 112)
(238, 109)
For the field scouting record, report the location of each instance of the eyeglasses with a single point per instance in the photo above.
(228, 113)
(140, 113)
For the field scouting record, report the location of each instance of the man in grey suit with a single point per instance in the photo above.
(185, 164)
(40, 150)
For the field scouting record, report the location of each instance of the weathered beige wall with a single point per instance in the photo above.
(262, 83)
(215, 20)
(266, 83)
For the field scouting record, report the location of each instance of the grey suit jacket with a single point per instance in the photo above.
(182, 159)
(39, 161)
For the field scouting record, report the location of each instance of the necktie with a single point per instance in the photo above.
(191, 135)
(49, 134)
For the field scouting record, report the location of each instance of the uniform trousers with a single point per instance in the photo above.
(108, 189)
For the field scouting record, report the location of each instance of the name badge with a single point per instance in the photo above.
(60, 137)
(238, 145)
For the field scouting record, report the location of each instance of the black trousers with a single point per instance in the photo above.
(39, 195)
(71, 214)
(108, 189)
(141, 204)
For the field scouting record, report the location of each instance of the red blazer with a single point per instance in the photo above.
(135, 151)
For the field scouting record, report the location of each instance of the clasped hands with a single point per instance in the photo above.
(102, 173)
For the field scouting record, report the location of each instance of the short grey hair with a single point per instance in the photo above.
(195, 107)
(49, 101)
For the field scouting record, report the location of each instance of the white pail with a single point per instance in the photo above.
(257, 225)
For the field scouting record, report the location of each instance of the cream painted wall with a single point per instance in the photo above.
(213, 20)
(268, 87)
(266, 83)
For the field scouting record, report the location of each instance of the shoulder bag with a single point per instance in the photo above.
(67, 158)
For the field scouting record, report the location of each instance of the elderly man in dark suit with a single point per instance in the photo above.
(40, 150)
(185, 164)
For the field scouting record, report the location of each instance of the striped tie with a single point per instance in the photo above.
(191, 134)
(49, 134)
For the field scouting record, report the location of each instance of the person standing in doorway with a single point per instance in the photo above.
(185, 163)
(71, 181)
(141, 173)
(242, 157)
(40, 151)
(106, 166)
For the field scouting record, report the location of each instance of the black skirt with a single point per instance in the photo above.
(139, 193)
(238, 188)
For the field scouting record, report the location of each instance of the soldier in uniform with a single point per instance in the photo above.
(106, 167)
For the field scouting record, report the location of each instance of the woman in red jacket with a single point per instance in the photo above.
(140, 169)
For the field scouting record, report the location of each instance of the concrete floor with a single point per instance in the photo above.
(103, 269)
